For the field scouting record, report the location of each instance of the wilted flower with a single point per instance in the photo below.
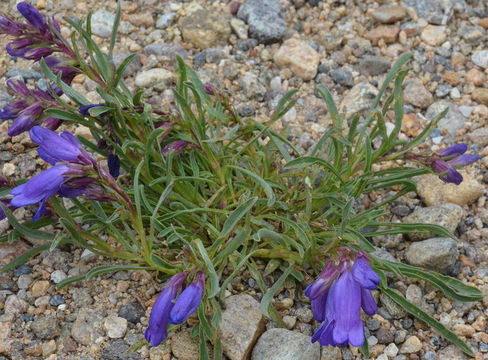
(158, 321)
(177, 146)
(338, 295)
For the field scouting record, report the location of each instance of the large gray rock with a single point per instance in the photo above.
(452, 122)
(167, 51)
(416, 94)
(447, 215)
(266, 20)
(204, 28)
(242, 323)
(88, 326)
(374, 65)
(282, 344)
(360, 98)
(102, 22)
(438, 254)
(480, 58)
(434, 191)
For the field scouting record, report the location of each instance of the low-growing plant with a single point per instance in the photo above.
(200, 194)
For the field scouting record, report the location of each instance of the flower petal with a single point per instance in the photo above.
(452, 176)
(318, 307)
(454, 150)
(40, 187)
(367, 302)
(188, 302)
(347, 306)
(364, 274)
(464, 160)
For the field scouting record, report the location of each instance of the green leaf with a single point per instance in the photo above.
(308, 160)
(26, 230)
(214, 279)
(365, 349)
(101, 270)
(268, 296)
(98, 110)
(113, 37)
(266, 187)
(119, 73)
(451, 287)
(236, 216)
(419, 314)
(70, 280)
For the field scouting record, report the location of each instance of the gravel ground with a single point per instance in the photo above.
(256, 52)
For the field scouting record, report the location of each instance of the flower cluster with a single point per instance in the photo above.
(39, 38)
(165, 311)
(29, 111)
(71, 175)
(337, 296)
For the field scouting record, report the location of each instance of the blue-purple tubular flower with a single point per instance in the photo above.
(11, 111)
(84, 108)
(32, 16)
(449, 159)
(40, 188)
(113, 162)
(347, 290)
(26, 120)
(10, 27)
(188, 301)
(54, 148)
(158, 321)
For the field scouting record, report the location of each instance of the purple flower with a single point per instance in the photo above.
(10, 27)
(84, 108)
(63, 67)
(318, 290)
(449, 159)
(18, 87)
(209, 88)
(37, 54)
(158, 321)
(188, 301)
(52, 123)
(40, 188)
(113, 162)
(341, 295)
(32, 16)
(54, 148)
(26, 120)
(11, 111)
(19, 47)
